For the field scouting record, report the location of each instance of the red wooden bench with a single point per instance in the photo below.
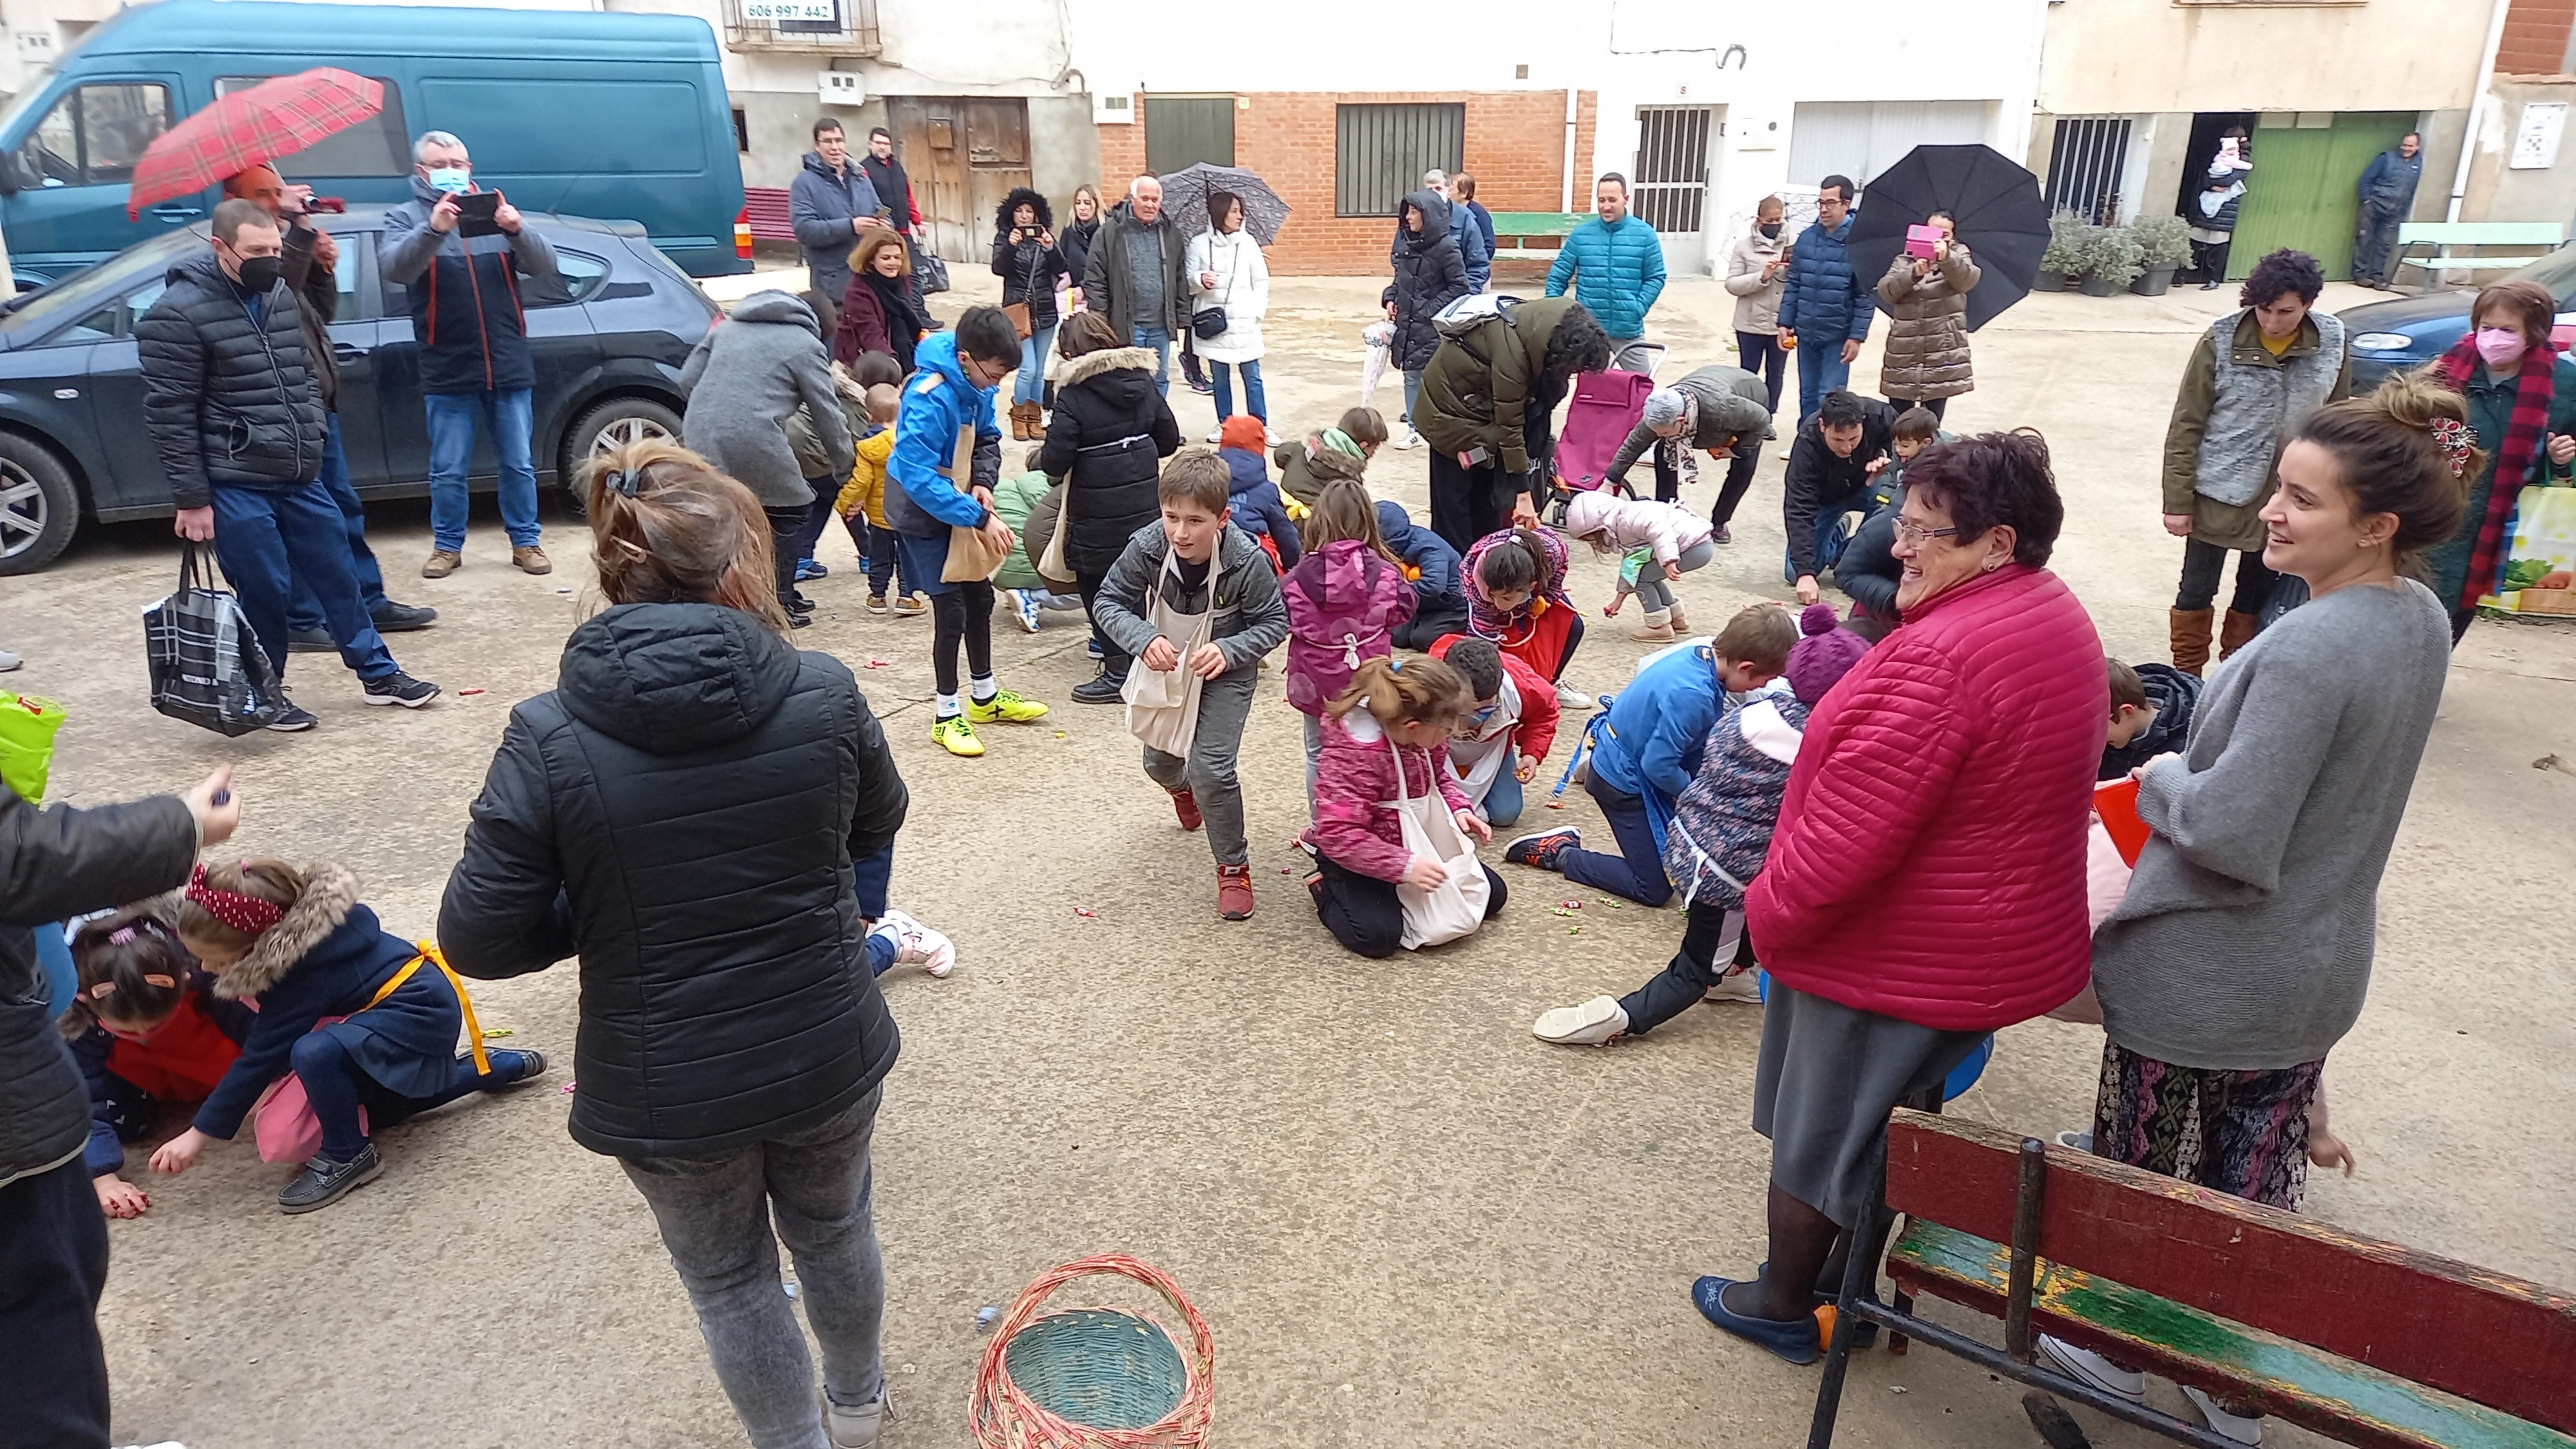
(2364, 1341)
(765, 207)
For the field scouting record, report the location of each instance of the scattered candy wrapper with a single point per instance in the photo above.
(1059, 734)
(880, 663)
(463, 693)
(1574, 930)
(1086, 912)
(498, 1032)
(1608, 905)
(563, 591)
(984, 1317)
(567, 1090)
(1571, 905)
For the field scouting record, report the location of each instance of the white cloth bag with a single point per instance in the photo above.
(1163, 705)
(1455, 907)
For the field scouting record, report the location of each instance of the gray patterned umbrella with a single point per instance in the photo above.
(1185, 195)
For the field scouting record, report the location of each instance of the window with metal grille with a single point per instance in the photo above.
(1380, 153)
(1671, 179)
(2085, 165)
(1182, 131)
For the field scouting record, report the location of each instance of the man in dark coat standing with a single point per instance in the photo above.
(828, 204)
(229, 396)
(53, 1239)
(2387, 194)
(1135, 275)
(1824, 307)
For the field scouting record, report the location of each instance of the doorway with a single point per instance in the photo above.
(2303, 190)
(1669, 185)
(964, 154)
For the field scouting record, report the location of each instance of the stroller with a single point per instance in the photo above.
(1605, 410)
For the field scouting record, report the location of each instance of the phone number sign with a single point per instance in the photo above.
(800, 10)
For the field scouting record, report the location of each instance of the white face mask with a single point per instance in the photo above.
(451, 179)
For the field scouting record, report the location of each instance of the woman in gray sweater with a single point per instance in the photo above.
(2242, 951)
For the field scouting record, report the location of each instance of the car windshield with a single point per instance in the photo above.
(77, 293)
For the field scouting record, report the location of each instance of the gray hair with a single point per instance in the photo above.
(1435, 177)
(1664, 407)
(420, 148)
(1137, 186)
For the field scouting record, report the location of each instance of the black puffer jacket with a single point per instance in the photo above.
(1108, 437)
(229, 399)
(1030, 269)
(1429, 275)
(682, 811)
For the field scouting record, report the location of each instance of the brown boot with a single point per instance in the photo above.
(531, 559)
(2236, 631)
(2190, 634)
(1023, 427)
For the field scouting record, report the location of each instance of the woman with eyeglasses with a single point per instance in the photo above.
(1926, 884)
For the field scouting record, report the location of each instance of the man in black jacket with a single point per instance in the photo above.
(1837, 453)
(53, 1240)
(312, 273)
(1135, 275)
(229, 395)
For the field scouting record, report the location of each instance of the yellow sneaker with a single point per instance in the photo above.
(1004, 707)
(956, 736)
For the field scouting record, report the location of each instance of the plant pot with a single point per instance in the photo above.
(2048, 281)
(2153, 281)
(2097, 285)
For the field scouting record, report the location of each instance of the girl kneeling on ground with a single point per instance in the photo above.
(1516, 597)
(146, 1028)
(1386, 739)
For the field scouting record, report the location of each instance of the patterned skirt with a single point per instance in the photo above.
(2240, 1133)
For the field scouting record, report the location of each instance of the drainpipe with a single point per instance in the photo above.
(2477, 109)
(1566, 203)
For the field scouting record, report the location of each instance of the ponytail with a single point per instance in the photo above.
(1516, 563)
(1415, 689)
(668, 528)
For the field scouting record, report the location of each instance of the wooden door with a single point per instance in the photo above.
(964, 156)
(2302, 190)
(997, 159)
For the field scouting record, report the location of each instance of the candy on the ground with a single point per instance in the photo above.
(567, 1090)
(1086, 912)
(497, 1032)
(879, 663)
(790, 1285)
(462, 693)
(984, 1317)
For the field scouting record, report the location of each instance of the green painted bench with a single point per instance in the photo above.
(2364, 1341)
(1520, 227)
(2529, 239)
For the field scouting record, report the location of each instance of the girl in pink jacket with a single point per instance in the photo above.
(1394, 716)
(1344, 599)
(1677, 539)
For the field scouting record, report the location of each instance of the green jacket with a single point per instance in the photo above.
(2237, 526)
(1476, 390)
(2446, 564)
(1012, 500)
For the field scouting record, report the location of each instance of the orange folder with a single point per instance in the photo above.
(2116, 801)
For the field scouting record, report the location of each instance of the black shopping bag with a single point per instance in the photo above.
(929, 270)
(206, 666)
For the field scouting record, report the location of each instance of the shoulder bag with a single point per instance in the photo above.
(1209, 322)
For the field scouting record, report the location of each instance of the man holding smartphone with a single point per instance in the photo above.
(460, 252)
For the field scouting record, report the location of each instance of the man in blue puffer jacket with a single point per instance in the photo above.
(1824, 309)
(1615, 264)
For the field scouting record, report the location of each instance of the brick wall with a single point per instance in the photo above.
(1515, 148)
(2535, 37)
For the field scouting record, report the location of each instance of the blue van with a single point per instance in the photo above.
(619, 116)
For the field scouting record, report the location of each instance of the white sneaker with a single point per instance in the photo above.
(1736, 986)
(917, 945)
(1784, 455)
(1268, 436)
(1024, 610)
(1590, 1024)
(2076, 1141)
(2244, 1429)
(1569, 697)
(1411, 438)
(2094, 1369)
(1217, 437)
(9, 661)
(858, 1428)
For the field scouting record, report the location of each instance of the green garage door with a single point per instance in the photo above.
(2301, 193)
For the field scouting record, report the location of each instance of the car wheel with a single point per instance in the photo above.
(39, 505)
(608, 427)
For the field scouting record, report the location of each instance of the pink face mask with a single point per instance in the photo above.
(2500, 345)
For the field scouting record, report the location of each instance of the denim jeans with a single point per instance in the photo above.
(715, 1214)
(1821, 369)
(1222, 375)
(265, 538)
(1828, 539)
(1031, 386)
(304, 611)
(507, 417)
(1503, 798)
(1161, 341)
(1412, 393)
(1637, 871)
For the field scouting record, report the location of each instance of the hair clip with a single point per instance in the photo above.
(1393, 664)
(166, 983)
(2452, 436)
(123, 936)
(102, 990)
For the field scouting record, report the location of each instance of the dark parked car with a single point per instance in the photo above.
(2404, 332)
(609, 342)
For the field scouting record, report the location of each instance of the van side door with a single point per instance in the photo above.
(68, 174)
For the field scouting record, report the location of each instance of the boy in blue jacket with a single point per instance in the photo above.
(952, 390)
(1649, 746)
(1254, 501)
(1440, 594)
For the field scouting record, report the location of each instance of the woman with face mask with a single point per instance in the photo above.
(1755, 270)
(2521, 391)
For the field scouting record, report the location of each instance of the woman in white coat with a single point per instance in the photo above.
(1227, 271)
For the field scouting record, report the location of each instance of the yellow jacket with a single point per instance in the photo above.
(866, 488)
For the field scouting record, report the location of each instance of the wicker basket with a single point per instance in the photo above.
(2545, 601)
(1095, 1378)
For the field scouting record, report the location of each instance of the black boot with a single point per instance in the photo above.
(1101, 688)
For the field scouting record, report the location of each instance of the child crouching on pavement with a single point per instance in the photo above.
(1502, 741)
(1386, 739)
(1258, 507)
(1341, 451)
(1193, 595)
(1676, 539)
(302, 946)
(1439, 590)
(1720, 831)
(2151, 708)
(146, 1028)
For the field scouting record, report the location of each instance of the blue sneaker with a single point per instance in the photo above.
(811, 569)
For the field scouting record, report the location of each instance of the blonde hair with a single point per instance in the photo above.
(884, 401)
(1344, 510)
(863, 257)
(668, 528)
(1425, 690)
(273, 881)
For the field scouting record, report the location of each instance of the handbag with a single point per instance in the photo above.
(1209, 322)
(1455, 907)
(27, 728)
(1018, 312)
(1163, 705)
(929, 269)
(205, 665)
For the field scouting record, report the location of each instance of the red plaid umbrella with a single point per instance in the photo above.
(277, 117)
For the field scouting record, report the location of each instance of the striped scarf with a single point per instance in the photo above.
(2523, 432)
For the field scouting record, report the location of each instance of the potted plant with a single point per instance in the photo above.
(2165, 244)
(2110, 259)
(2060, 260)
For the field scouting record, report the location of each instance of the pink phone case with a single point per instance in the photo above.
(1920, 240)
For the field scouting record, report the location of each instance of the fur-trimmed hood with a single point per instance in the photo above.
(846, 385)
(1092, 364)
(330, 893)
(1021, 195)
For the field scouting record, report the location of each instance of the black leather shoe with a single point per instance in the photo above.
(324, 1182)
(310, 641)
(1101, 688)
(396, 618)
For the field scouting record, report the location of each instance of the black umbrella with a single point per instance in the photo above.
(2002, 220)
(1185, 195)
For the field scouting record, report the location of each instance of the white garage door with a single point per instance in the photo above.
(1859, 139)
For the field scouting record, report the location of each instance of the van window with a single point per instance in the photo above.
(94, 135)
(589, 128)
(375, 147)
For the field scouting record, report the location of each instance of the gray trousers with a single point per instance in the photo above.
(1225, 702)
(716, 1214)
(1654, 590)
(1635, 354)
